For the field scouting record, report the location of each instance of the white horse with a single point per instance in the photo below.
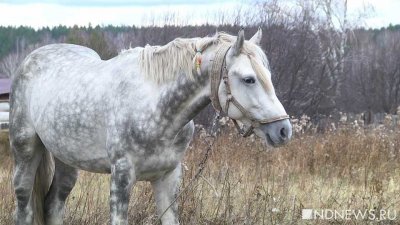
(130, 116)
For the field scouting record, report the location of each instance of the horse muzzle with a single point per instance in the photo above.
(277, 133)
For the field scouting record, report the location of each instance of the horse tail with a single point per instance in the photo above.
(43, 179)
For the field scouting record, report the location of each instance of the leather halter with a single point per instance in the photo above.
(218, 72)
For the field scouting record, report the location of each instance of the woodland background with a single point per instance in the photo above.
(322, 61)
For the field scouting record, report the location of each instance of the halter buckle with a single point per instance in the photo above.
(248, 132)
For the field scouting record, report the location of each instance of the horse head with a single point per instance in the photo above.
(241, 87)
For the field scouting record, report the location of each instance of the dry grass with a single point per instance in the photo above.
(245, 184)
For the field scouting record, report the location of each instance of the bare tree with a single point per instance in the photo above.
(11, 62)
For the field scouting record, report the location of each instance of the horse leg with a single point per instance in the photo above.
(64, 180)
(28, 153)
(166, 189)
(122, 177)
(122, 180)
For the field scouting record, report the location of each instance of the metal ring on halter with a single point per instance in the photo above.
(218, 72)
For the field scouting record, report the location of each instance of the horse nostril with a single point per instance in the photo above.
(283, 133)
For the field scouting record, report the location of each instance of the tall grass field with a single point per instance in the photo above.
(246, 182)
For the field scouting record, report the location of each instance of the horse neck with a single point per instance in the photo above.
(185, 97)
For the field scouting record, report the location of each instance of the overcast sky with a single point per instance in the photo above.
(39, 13)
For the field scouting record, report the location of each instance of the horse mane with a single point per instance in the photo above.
(162, 64)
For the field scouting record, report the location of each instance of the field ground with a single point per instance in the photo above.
(244, 183)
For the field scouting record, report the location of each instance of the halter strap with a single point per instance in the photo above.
(215, 73)
(219, 71)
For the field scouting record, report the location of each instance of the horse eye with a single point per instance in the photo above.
(249, 80)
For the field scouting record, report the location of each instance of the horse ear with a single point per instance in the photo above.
(256, 39)
(238, 45)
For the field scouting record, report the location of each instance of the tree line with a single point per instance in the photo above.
(318, 66)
